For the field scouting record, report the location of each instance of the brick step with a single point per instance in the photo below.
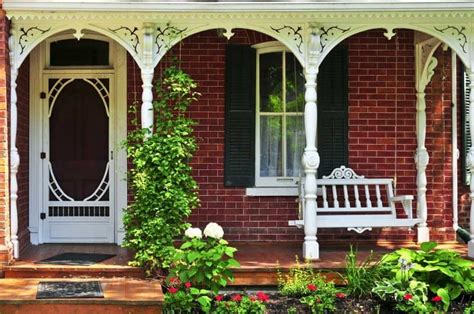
(252, 276)
(31, 270)
(121, 295)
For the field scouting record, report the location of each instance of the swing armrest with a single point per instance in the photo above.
(406, 201)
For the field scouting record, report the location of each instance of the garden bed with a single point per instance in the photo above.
(281, 304)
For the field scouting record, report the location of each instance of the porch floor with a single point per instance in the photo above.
(259, 260)
(117, 266)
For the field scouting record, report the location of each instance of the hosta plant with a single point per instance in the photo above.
(445, 273)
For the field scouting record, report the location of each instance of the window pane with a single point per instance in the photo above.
(270, 147)
(72, 52)
(294, 84)
(295, 142)
(270, 82)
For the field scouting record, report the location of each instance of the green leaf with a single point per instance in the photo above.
(444, 294)
(428, 246)
(233, 263)
(192, 256)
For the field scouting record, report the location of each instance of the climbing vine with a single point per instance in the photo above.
(160, 178)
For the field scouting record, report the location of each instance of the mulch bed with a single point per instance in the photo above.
(281, 304)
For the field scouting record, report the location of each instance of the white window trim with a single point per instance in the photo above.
(265, 184)
(272, 191)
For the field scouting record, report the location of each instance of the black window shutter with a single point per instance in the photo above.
(466, 108)
(239, 151)
(332, 111)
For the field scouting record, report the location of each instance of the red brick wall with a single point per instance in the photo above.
(5, 255)
(244, 218)
(22, 143)
(382, 139)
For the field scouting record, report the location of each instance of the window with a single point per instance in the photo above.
(264, 128)
(279, 117)
(84, 52)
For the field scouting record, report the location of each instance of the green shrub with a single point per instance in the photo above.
(320, 295)
(186, 299)
(203, 262)
(241, 304)
(160, 178)
(294, 284)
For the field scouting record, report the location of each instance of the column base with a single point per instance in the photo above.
(470, 249)
(311, 250)
(423, 234)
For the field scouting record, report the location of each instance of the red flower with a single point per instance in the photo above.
(437, 299)
(253, 298)
(407, 297)
(311, 287)
(340, 295)
(219, 298)
(262, 296)
(236, 297)
(187, 285)
(172, 290)
(174, 281)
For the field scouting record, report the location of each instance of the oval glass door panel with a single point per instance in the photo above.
(79, 138)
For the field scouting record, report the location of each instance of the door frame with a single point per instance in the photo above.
(39, 70)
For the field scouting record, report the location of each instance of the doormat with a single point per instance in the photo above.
(69, 289)
(78, 259)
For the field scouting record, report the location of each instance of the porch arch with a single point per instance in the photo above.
(15, 44)
(228, 28)
(453, 43)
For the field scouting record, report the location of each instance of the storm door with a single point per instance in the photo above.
(77, 160)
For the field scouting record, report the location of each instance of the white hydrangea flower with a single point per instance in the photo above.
(213, 230)
(193, 233)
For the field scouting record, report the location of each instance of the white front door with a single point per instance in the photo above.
(77, 158)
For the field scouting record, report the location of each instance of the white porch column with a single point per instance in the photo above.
(425, 65)
(147, 99)
(147, 72)
(470, 163)
(311, 157)
(421, 160)
(14, 156)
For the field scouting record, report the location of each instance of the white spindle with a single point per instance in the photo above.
(347, 204)
(367, 196)
(377, 193)
(334, 196)
(325, 197)
(356, 196)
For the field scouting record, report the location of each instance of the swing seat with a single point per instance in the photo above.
(348, 200)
